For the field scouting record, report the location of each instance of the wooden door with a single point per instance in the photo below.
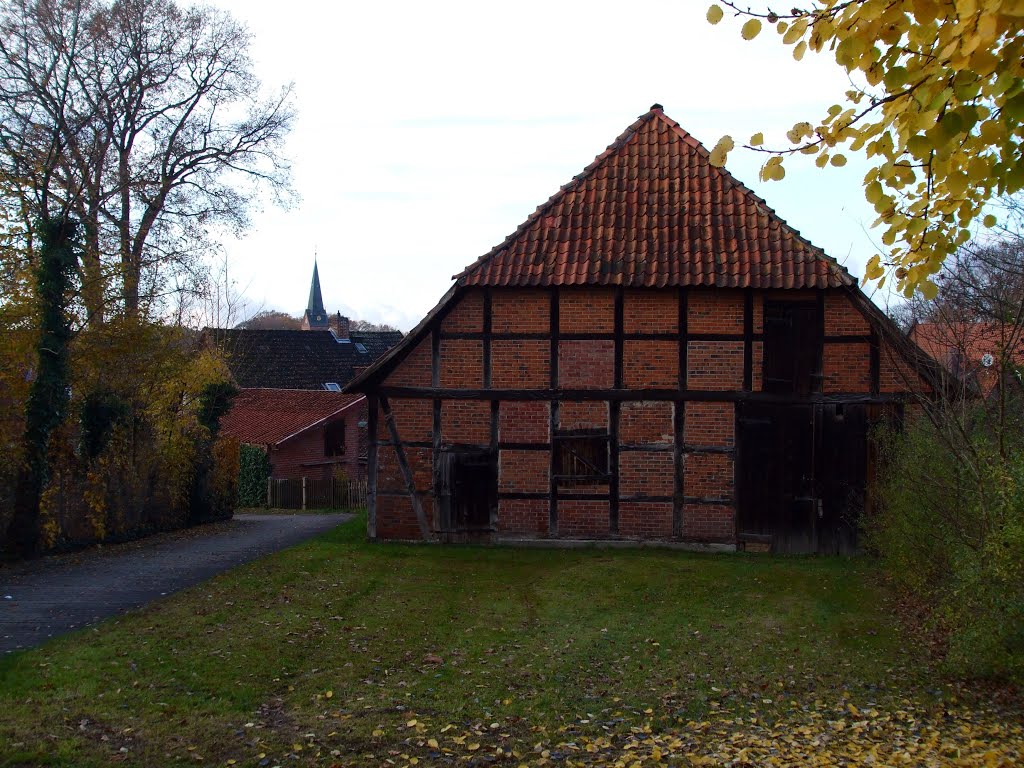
(466, 483)
(802, 471)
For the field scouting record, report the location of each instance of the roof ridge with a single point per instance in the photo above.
(620, 141)
(728, 181)
(744, 189)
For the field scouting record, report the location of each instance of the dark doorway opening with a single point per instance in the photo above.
(802, 475)
(466, 482)
(793, 335)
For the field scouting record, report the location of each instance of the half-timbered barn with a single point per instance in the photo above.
(653, 355)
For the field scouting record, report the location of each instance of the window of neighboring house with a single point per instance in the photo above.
(581, 455)
(332, 386)
(334, 439)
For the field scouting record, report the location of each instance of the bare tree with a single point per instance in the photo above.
(143, 120)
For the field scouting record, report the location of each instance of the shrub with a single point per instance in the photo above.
(253, 470)
(950, 529)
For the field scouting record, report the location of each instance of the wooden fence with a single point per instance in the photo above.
(313, 493)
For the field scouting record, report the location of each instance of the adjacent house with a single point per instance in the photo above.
(305, 433)
(653, 355)
(974, 353)
(291, 381)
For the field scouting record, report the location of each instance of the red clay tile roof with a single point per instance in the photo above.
(269, 416)
(651, 211)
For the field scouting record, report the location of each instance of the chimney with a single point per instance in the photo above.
(339, 324)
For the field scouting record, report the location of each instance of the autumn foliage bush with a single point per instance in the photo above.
(950, 529)
(139, 450)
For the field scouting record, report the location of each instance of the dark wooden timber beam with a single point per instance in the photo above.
(679, 416)
(553, 416)
(748, 339)
(627, 395)
(371, 466)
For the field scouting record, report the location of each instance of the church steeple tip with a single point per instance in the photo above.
(315, 317)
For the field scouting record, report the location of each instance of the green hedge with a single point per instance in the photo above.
(253, 471)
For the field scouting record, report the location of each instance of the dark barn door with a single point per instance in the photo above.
(802, 471)
(466, 482)
(802, 468)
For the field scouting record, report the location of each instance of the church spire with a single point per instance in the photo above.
(315, 317)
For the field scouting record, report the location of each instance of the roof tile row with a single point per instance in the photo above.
(651, 211)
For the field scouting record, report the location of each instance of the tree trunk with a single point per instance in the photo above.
(48, 394)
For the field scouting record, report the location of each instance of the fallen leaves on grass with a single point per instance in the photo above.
(843, 734)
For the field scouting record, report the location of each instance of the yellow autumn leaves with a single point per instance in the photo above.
(937, 107)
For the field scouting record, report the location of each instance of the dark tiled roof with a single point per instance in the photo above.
(298, 359)
(651, 211)
(269, 416)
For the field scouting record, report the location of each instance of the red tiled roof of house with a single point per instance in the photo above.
(971, 341)
(651, 211)
(270, 416)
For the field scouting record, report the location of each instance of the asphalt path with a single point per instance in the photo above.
(55, 595)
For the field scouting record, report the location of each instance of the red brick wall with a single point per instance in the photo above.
(715, 365)
(842, 318)
(586, 415)
(650, 312)
(524, 471)
(586, 364)
(462, 364)
(414, 370)
(467, 316)
(524, 422)
(524, 517)
(646, 473)
(396, 518)
(521, 364)
(465, 422)
(646, 422)
(708, 475)
(303, 455)
(583, 519)
(589, 364)
(715, 311)
(709, 522)
(650, 364)
(586, 310)
(520, 311)
(847, 368)
(415, 419)
(710, 424)
(645, 520)
(895, 375)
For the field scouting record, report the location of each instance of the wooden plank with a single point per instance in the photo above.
(553, 416)
(623, 395)
(403, 465)
(679, 417)
(748, 339)
(371, 466)
(614, 410)
(875, 362)
(487, 322)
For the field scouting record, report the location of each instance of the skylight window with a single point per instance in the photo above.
(332, 386)
(361, 348)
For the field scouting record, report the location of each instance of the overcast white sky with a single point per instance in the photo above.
(427, 132)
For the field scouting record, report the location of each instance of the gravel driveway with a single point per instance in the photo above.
(51, 596)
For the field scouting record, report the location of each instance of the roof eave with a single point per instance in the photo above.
(387, 362)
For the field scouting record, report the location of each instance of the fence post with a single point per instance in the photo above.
(303, 494)
(269, 501)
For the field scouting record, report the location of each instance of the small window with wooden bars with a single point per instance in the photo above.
(581, 456)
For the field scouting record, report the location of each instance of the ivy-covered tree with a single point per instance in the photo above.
(48, 393)
(936, 106)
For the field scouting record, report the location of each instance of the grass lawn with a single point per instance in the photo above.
(338, 652)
